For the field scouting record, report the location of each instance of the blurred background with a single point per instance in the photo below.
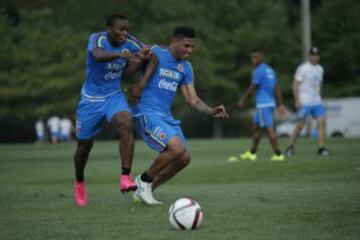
(43, 43)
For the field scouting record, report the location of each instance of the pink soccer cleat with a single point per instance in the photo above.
(80, 194)
(127, 184)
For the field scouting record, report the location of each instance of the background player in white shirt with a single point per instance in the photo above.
(307, 92)
(53, 124)
(40, 130)
(66, 128)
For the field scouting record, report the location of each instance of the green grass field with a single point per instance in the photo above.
(305, 197)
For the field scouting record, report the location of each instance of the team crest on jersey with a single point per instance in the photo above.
(180, 67)
(159, 132)
(162, 136)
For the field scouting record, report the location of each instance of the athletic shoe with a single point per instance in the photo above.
(80, 194)
(232, 159)
(248, 156)
(277, 158)
(144, 192)
(322, 151)
(289, 151)
(126, 184)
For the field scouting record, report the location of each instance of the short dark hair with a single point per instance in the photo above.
(111, 20)
(184, 31)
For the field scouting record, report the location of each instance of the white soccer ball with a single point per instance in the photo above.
(185, 214)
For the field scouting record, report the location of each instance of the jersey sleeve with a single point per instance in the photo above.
(134, 46)
(95, 41)
(256, 77)
(156, 50)
(188, 75)
(299, 74)
(137, 45)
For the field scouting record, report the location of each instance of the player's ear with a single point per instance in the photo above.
(174, 40)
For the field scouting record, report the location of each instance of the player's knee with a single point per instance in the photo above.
(178, 150)
(123, 122)
(124, 127)
(185, 159)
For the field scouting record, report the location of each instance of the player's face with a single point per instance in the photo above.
(118, 33)
(256, 58)
(314, 59)
(184, 47)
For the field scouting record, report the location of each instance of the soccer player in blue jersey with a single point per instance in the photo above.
(109, 56)
(264, 83)
(167, 71)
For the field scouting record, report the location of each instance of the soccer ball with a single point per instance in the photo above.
(185, 214)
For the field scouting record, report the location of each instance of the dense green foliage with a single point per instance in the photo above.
(42, 51)
(304, 197)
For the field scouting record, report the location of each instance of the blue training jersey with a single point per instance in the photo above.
(264, 78)
(159, 93)
(103, 79)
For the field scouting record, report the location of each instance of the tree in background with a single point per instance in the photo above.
(42, 55)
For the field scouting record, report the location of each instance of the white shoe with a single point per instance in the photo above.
(144, 192)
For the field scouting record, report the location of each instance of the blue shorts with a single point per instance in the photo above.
(264, 117)
(41, 137)
(90, 113)
(55, 134)
(315, 111)
(158, 130)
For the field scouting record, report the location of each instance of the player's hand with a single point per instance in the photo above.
(129, 56)
(145, 53)
(220, 112)
(282, 110)
(241, 103)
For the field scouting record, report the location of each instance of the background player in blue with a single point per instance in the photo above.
(167, 71)
(110, 55)
(264, 82)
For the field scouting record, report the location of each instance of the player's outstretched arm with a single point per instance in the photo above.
(191, 97)
(101, 55)
(133, 66)
(247, 95)
(138, 88)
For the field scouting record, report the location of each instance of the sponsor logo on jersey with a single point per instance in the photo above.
(112, 75)
(115, 70)
(168, 73)
(180, 67)
(111, 66)
(171, 86)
